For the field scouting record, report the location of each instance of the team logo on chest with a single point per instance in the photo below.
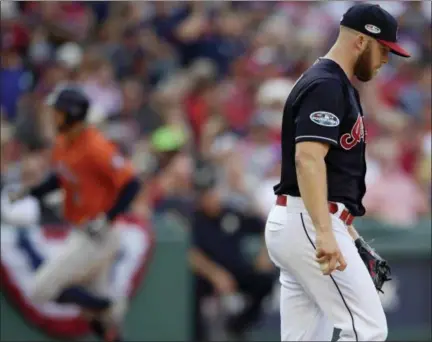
(357, 134)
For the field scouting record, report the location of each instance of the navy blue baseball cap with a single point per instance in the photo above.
(374, 21)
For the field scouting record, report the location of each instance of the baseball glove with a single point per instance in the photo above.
(378, 268)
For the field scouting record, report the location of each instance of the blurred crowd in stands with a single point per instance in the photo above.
(173, 83)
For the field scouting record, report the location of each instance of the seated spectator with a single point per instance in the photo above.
(393, 196)
(217, 260)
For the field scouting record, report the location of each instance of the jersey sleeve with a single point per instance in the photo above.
(107, 161)
(320, 113)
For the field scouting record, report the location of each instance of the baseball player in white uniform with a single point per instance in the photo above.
(309, 232)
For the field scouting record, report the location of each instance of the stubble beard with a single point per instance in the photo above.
(363, 68)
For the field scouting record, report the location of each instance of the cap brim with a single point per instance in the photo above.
(395, 48)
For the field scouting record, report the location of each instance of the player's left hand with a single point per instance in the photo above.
(96, 228)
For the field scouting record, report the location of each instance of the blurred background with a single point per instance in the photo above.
(193, 93)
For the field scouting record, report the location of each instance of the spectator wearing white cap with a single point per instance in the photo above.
(270, 100)
(70, 55)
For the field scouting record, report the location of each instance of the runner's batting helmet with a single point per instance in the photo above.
(72, 102)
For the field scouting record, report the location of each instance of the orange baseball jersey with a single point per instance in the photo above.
(92, 173)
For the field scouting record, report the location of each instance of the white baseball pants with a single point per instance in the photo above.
(312, 304)
(83, 261)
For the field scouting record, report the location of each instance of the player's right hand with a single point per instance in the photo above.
(328, 254)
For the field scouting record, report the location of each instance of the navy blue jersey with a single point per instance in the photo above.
(324, 106)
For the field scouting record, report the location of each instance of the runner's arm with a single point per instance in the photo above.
(51, 183)
(107, 161)
(125, 198)
(48, 185)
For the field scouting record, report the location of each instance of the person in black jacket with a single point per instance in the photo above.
(217, 260)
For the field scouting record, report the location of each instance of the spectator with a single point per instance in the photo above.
(393, 209)
(14, 81)
(217, 259)
(102, 88)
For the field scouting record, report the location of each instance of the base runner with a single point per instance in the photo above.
(99, 185)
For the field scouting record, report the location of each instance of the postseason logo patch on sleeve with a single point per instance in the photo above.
(325, 119)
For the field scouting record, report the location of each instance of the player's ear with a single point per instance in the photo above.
(361, 43)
